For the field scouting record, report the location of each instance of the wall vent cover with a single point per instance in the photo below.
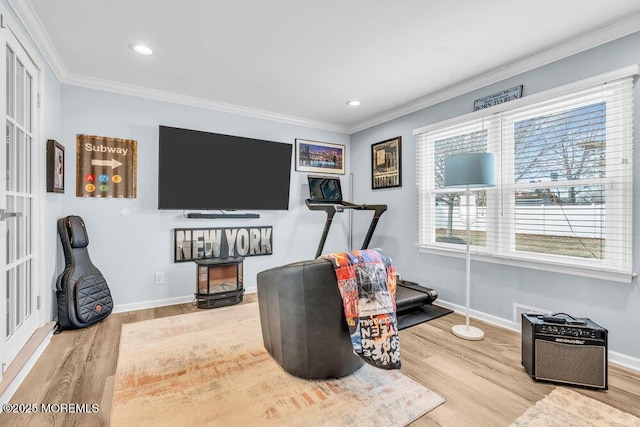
(519, 309)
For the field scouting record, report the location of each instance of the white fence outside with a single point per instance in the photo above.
(586, 221)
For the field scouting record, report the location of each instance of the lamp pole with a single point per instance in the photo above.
(466, 331)
(469, 170)
(468, 272)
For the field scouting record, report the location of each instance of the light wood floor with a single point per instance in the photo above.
(483, 382)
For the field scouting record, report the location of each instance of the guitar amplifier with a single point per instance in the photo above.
(565, 350)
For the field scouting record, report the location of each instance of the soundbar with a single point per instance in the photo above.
(221, 215)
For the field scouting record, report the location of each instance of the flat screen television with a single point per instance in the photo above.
(209, 171)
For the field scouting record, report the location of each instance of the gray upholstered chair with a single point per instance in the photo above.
(302, 319)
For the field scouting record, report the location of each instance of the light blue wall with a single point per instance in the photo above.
(51, 96)
(130, 249)
(496, 287)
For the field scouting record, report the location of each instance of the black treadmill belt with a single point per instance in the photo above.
(420, 314)
(407, 298)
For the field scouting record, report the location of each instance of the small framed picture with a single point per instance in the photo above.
(55, 167)
(322, 157)
(386, 169)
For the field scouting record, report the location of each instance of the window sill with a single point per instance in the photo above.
(614, 276)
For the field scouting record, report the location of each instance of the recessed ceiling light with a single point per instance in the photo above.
(141, 49)
(353, 103)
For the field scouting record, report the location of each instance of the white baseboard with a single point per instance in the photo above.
(11, 389)
(122, 308)
(474, 314)
(624, 360)
(614, 357)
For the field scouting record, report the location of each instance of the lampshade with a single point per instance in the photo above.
(470, 170)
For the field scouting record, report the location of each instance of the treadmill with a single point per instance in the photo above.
(413, 302)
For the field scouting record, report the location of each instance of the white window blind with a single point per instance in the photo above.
(564, 190)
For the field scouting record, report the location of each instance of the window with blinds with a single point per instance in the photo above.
(564, 192)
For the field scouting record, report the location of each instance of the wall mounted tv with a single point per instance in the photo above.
(209, 171)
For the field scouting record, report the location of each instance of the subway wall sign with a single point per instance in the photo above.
(106, 167)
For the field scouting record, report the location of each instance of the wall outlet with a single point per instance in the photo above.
(159, 278)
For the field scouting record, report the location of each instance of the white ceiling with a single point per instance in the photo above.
(301, 61)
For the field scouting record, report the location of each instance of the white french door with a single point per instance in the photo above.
(18, 291)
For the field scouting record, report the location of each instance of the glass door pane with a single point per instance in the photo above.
(17, 199)
(11, 58)
(9, 155)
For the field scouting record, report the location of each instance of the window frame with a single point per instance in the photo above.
(501, 199)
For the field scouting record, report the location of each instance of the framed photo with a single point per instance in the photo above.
(386, 168)
(322, 157)
(55, 167)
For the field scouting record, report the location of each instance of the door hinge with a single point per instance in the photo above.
(38, 302)
(2, 24)
(38, 101)
(4, 367)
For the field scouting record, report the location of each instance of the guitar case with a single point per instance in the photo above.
(82, 293)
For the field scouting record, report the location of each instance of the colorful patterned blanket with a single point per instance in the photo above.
(367, 283)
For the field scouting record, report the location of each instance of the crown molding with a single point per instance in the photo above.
(159, 95)
(29, 18)
(27, 15)
(555, 53)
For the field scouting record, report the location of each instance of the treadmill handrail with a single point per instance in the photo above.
(330, 209)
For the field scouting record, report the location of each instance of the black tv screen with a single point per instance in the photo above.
(210, 171)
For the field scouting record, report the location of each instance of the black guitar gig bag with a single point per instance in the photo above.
(82, 292)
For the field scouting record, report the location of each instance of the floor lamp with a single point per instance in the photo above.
(470, 170)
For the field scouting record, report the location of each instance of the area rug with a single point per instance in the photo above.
(566, 408)
(211, 368)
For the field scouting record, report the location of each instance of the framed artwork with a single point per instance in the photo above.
(55, 167)
(106, 167)
(321, 157)
(386, 171)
